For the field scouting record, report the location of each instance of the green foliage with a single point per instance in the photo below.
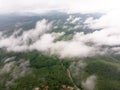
(52, 71)
(46, 70)
(107, 72)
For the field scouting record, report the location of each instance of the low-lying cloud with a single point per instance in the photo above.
(105, 33)
(15, 70)
(90, 83)
(37, 39)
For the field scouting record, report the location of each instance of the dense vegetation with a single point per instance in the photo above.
(46, 70)
(107, 70)
(51, 71)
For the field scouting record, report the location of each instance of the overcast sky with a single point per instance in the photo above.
(70, 6)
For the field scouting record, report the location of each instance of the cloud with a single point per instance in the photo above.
(44, 43)
(81, 44)
(77, 68)
(10, 66)
(108, 20)
(73, 6)
(9, 59)
(73, 20)
(7, 68)
(21, 43)
(109, 37)
(63, 49)
(109, 33)
(15, 70)
(39, 39)
(72, 49)
(90, 83)
(34, 34)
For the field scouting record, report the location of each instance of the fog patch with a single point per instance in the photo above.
(77, 67)
(15, 70)
(89, 83)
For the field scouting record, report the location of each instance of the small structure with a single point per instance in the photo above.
(36, 88)
(66, 87)
(46, 87)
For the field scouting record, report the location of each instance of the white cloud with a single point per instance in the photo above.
(72, 49)
(77, 68)
(15, 70)
(9, 59)
(109, 20)
(109, 26)
(43, 44)
(7, 67)
(21, 43)
(73, 6)
(109, 34)
(34, 34)
(37, 39)
(90, 83)
(64, 49)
